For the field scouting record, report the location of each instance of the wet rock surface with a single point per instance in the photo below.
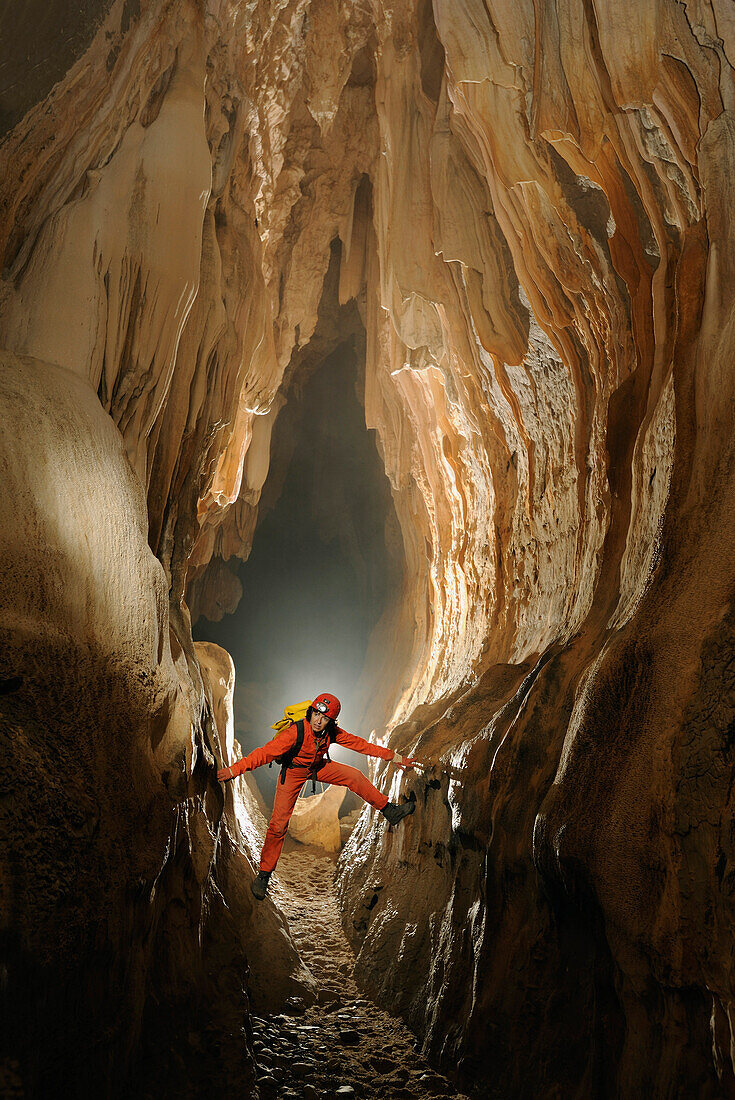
(345, 1046)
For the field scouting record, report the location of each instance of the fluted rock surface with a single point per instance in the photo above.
(126, 919)
(531, 209)
(574, 843)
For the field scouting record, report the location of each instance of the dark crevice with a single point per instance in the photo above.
(320, 573)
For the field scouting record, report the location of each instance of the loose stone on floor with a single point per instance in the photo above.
(345, 1047)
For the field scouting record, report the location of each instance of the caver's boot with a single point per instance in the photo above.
(395, 813)
(259, 885)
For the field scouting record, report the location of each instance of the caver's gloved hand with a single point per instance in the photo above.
(230, 773)
(406, 762)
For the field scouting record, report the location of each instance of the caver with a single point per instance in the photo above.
(302, 749)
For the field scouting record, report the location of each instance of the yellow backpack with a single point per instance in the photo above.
(292, 714)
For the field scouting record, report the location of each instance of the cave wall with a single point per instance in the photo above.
(575, 839)
(128, 944)
(532, 208)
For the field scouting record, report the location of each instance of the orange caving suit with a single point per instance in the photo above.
(312, 751)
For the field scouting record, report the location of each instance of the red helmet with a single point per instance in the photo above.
(327, 704)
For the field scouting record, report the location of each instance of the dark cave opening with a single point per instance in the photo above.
(325, 565)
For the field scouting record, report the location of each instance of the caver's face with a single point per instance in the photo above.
(318, 721)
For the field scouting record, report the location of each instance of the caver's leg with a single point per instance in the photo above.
(342, 775)
(285, 800)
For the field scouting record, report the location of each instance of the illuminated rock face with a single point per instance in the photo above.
(533, 209)
(127, 922)
(316, 819)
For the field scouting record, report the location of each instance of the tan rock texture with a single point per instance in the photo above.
(126, 918)
(529, 205)
(315, 819)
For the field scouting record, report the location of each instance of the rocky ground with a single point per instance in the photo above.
(345, 1046)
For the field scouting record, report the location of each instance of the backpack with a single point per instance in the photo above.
(292, 714)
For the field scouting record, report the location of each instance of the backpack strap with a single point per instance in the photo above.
(288, 757)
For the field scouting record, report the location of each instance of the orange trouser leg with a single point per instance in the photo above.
(285, 800)
(341, 775)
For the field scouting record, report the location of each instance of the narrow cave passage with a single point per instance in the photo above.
(324, 567)
(344, 1046)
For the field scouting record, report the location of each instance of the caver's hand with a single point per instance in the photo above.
(406, 762)
(231, 772)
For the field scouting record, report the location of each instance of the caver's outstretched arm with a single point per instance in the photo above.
(367, 748)
(264, 754)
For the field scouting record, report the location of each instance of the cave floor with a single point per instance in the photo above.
(345, 1046)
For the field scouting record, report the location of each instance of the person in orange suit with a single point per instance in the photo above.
(320, 730)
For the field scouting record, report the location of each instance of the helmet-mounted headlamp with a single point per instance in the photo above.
(327, 705)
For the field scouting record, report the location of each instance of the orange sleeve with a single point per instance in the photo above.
(359, 744)
(282, 742)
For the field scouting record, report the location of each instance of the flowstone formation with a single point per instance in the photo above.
(526, 208)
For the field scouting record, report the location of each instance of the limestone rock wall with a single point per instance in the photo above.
(574, 840)
(532, 208)
(126, 924)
